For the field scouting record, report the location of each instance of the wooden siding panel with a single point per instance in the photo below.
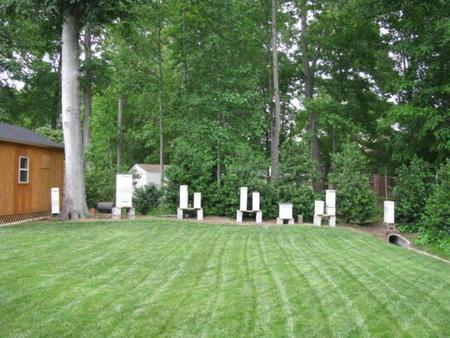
(7, 183)
(46, 170)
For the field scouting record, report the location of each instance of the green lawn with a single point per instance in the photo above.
(188, 279)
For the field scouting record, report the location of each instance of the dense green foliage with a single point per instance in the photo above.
(412, 187)
(175, 279)
(146, 198)
(435, 220)
(355, 199)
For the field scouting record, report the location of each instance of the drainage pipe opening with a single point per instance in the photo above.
(399, 240)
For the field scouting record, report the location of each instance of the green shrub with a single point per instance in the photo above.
(296, 177)
(146, 198)
(100, 185)
(435, 220)
(411, 191)
(355, 201)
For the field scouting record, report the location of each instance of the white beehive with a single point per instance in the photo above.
(243, 198)
(285, 211)
(319, 207)
(183, 196)
(330, 198)
(255, 201)
(124, 191)
(197, 200)
(389, 212)
(55, 200)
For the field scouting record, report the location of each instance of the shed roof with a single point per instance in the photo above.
(151, 167)
(14, 134)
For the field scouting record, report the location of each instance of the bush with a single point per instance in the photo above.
(411, 191)
(354, 198)
(100, 185)
(296, 177)
(435, 221)
(146, 198)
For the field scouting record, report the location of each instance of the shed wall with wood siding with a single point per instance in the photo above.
(46, 170)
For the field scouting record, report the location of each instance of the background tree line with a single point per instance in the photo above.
(320, 92)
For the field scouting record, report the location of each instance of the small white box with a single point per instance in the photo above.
(183, 196)
(255, 201)
(243, 198)
(319, 207)
(285, 211)
(55, 201)
(389, 212)
(330, 198)
(197, 200)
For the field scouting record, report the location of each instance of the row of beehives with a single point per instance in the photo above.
(323, 210)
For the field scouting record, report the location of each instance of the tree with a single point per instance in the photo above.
(275, 153)
(74, 190)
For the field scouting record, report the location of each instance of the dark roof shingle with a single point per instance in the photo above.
(14, 134)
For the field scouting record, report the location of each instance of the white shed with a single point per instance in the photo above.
(148, 173)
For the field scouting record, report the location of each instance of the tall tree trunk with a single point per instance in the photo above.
(160, 99)
(276, 92)
(87, 93)
(120, 107)
(308, 71)
(74, 190)
(57, 99)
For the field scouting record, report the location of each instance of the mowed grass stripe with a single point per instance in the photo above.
(371, 298)
(390, 291)
(183, 311)
(313, 318)
(188, 279)
(344, 317)
(146, 307)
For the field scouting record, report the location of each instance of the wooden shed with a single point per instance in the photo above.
(30, 165)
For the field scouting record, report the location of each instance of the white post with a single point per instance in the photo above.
(258, 217)
(200, 214)
(389, 212)
(55, 201)
(131, 213)
(179, 213)
(239, 217)
(116, 213)
(332, 221)
(243, 198)
(197, 200)
(317, 220)
(183, 196)
(255, 201)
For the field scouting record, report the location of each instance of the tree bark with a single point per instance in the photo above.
(120, 107)
(87, 93)
(160, 99)
(275, 153)
(74, 190)
(308, 71)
